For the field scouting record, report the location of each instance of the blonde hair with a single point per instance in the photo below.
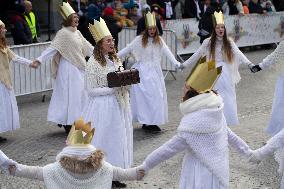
(3, 40)
(75, 165)
(3, 43)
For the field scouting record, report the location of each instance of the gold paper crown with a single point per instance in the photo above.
(150, 20)
(203, 76)
(1, 23)
(99, 30)
(219, 18)
(80, 133)
(66, 10)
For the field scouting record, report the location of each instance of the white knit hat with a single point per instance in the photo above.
(80, 152)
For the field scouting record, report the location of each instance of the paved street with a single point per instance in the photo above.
(38, 141)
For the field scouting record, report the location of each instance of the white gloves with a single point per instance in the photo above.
(5, 162)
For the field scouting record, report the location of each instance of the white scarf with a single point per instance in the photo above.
(205, 130)
(6, 55)
(202, 101)
(71, 45)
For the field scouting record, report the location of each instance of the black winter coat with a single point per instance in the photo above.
(20, 30)
(113, 27)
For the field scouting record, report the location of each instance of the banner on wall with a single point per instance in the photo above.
(247, 30)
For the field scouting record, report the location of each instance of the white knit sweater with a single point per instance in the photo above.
(274, 146)
(96, 82)
(205, 132)
(56, 177)
(71, 45)
(275, 57)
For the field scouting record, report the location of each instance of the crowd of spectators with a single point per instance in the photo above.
(129, 13)
(202, 10)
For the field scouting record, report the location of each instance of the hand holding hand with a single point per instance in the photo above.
(141, 172)
(35, 64)
(254, 158)
(179, 66)
(254, 68)
(12, 169)
(5, 162)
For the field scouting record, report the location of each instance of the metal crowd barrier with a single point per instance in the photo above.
(27, 80)
(170, 38)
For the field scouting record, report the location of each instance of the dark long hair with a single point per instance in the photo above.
(145, 36)
(189, 94)
(227, 47)
(192, 93)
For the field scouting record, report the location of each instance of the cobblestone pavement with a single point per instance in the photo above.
(38, 141)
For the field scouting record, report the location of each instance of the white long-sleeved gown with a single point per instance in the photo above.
(149, 98)
(229, 77)
(9, 115)
(69, 96)
(109, 114)
(56, 177)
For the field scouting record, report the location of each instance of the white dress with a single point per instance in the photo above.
(149, 98)
(229, 77)
(277, 115)
(68, 97)
(109, 115)
(9, 115)
(194, 174)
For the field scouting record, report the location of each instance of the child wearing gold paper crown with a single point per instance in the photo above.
(202, 133)
(225, 52)
(67, 51)
(9, 116)
(149, 98)
(108, 108)
(79, 165)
